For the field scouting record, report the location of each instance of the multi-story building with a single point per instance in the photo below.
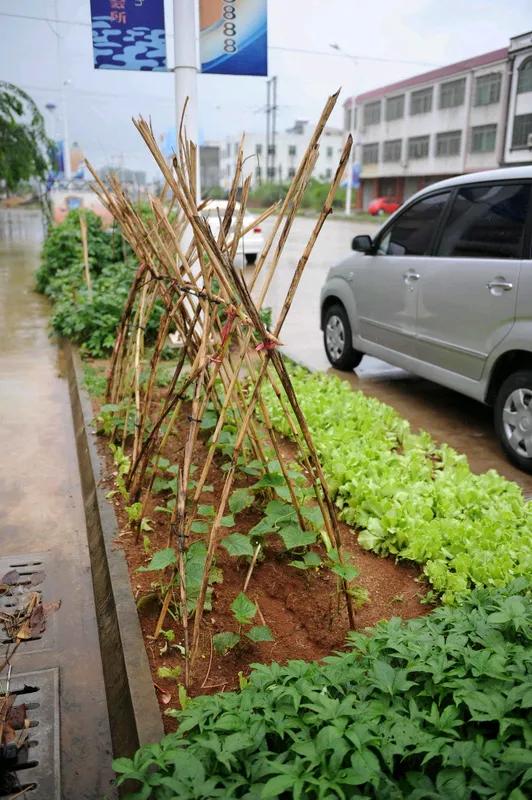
(279, 165)
(469, 116)
(209, 166)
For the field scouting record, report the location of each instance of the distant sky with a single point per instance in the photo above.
(102, 102)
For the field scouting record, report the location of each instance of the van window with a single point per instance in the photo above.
(486, 221)
(411, 233)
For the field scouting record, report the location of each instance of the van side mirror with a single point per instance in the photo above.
(362, 243)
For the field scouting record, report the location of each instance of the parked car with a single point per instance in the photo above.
(445, 290)
(383, 205)
(251, 243)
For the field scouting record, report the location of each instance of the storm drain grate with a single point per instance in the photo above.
(34, 773)
(32, 570)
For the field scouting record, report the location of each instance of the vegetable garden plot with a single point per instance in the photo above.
(293, 591)
(188, 276)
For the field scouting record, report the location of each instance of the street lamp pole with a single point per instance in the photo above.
(186, 71)
(349, 184)
(351, 156)
(66, 135)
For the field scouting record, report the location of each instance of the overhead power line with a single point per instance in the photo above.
(353, 56)
(270, 47)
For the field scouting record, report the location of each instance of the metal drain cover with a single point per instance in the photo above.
(28, 566)
(39, 771)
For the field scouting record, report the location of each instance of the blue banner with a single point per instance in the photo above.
(234, 37)
(128, 34)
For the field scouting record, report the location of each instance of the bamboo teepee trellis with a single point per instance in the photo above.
(226, 354)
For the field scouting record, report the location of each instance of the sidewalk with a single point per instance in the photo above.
(42, 517)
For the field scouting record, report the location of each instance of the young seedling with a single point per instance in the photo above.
(244, 611)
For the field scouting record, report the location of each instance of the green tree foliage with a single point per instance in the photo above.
(314, 197)
(24, 145)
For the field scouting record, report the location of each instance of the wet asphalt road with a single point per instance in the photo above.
(448, 416)
(42, 515)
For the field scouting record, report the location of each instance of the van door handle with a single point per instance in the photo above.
(410, 276)
(499, 283)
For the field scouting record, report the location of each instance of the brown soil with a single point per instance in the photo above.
(304, 611)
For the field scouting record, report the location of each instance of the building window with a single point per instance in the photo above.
(483, 138)
(372, 113)
(228, 150)
(448, 144)
(328, 173)
(487, 89)
(235, 148)
(418, 147)
(370, 153)
(258, 174)
(388, 187)
(291, 149)
(271, 173)
(524, 82)
(522, 130)
(291, 172)
(271, 149)
(452, 93)
(421, 101)
(392, 150)
(395, 107)
(258, 149)
(329, 152)
(350, 122)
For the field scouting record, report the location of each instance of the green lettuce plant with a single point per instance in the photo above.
(409, 497)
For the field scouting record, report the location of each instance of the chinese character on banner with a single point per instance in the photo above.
(119, 16)
(128, 34)
(234, 37)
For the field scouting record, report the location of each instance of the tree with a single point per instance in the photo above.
(24, 145)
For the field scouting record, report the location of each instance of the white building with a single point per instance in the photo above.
(284, 157)
(517, 148)
(469, 116)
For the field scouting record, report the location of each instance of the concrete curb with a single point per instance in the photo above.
(134, 713)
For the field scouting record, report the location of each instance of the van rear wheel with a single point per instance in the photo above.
(337, 339)
(513, 418)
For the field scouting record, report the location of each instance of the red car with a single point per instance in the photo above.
(383, 205)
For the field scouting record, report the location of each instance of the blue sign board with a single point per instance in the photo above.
(128, 34)
(234, 37)
(355, 175)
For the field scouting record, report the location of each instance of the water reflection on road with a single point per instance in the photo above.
(41, 507)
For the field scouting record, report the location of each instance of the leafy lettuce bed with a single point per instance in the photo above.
(408, 496)
(438, 707)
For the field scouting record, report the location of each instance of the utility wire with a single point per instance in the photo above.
(270, 47)
(352, 56)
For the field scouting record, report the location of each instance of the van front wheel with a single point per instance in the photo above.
(337, 340)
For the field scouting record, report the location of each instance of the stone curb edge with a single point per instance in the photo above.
(134, 714)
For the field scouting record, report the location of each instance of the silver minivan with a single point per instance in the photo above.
(445, 290)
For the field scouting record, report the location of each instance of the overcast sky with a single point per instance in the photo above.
(393, 39)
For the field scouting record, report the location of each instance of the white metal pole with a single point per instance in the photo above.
(350, 162)
(64, 106)
(186, 70)
(66, 136)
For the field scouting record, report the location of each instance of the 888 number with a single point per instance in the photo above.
(229, 26)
